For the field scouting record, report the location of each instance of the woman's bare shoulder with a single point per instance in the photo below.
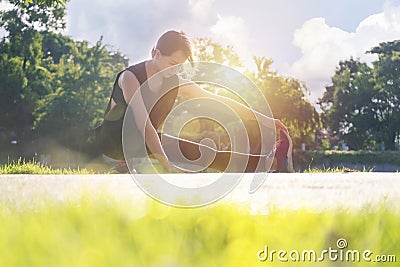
(128, 80)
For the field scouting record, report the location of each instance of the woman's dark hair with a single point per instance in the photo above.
(172, 41)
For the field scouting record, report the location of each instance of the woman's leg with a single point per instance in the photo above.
(180, 150)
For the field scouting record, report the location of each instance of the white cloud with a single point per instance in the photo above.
(202, 10)
(232, 30)
(132, 27)
(324, 46)
(4, 6)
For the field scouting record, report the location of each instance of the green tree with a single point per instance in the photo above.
(12, 79)
(205, 49)
(361, 106)
(287, 99)
(347, 106)
(387, 99)
(81, 86)
(25, 77)
(286, 96)
(52, 87)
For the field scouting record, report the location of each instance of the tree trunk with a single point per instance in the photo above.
(390, 141)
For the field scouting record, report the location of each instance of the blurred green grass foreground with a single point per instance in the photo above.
(104, 230)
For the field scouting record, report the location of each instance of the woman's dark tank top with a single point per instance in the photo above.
(158, 111)
(158, 108)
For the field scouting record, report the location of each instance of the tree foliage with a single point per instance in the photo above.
(287, 99)
(361, 106)
(286, 96)
(47, 3)
(387, 100)
(55, 88)
(82, 82)
(207, 50)
(52, 86)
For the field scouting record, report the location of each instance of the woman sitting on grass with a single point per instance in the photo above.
(172, 49)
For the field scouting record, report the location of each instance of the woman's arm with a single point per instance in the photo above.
(192, 90)
(130, 87)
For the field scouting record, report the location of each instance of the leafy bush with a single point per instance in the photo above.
(333, 158)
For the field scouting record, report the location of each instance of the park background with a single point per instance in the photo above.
(55, 89)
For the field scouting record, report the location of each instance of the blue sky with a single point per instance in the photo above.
(305, 38)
